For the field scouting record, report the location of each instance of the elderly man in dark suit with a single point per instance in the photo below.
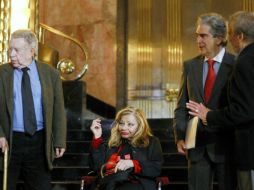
(204, 79)
(32, 115)
(238, 115)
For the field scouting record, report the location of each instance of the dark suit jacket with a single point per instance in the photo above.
(213, 139)
(53, 108)
(149, 158)
(239, 115)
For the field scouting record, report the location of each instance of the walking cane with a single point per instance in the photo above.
(5, 168)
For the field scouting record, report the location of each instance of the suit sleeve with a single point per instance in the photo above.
(59, 116)
(181, 112)
(240, 109)
(97, 156)
(151, 167)
(2, 103)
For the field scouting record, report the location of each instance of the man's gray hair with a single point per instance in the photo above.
(217, 24)
(28, 36)
(243, 22)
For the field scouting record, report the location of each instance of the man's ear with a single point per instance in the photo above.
(240, 36)
(32, 52)
(219, 40)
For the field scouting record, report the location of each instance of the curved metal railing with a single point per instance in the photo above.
(66, 66)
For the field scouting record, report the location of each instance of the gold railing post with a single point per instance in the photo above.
(171, 94)
(5, 19)
(41, 35)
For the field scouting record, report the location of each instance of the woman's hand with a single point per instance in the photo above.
(96, 128)
(123, 165)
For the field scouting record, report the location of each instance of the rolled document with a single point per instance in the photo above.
(190, 136)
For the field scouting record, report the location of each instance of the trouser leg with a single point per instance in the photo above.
(200, 175)
(226, 176)
(28, 158)
(244, 179)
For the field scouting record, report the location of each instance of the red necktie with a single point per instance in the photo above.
(209, 79)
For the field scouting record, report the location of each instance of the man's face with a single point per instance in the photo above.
(20, 53)
(208, 45)
(233, 39)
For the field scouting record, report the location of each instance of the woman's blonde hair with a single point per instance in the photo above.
(140, 138)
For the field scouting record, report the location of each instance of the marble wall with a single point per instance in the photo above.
(92, 22)
(95, 22)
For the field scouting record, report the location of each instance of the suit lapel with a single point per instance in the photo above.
(8, 87)
(222, 76)
(197, 67)
(42, 75)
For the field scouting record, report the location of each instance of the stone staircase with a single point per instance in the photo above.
(68, 170)
(74, 164)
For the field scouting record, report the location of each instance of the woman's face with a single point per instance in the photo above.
(128, 126)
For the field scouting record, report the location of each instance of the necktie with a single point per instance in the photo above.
(28, 104)
(209, 79)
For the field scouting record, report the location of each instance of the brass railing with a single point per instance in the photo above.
(171, 94)
(66, 66)
(5, 20)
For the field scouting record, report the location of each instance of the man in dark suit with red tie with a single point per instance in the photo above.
(204, 79)
(238, 115)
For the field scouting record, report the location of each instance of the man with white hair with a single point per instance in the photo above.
(32, 115)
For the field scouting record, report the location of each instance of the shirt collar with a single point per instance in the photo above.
(218, 58)
(31, 66)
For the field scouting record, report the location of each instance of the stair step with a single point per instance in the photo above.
(74, 173)
(155, 124)
(68, 174)
(74, 164)
(86, 135)
(76, 186)
(84, 146)
(82, 159)
(79, 135)
(73, 159)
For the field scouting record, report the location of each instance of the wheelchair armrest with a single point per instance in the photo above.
(162, 180)
(87, 179)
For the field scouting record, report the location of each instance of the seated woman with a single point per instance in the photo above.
(131, 147)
